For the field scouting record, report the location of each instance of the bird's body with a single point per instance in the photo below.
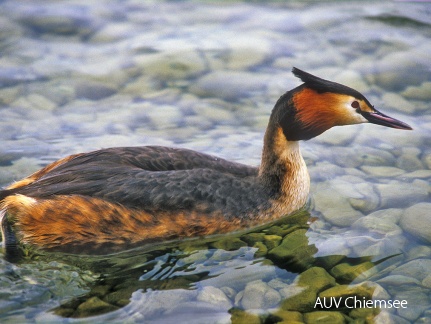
(117, 197)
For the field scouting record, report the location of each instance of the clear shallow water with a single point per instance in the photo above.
(77, 76)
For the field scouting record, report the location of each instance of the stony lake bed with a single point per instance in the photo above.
(81, 75)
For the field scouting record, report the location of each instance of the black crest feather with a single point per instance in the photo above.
(321, 85)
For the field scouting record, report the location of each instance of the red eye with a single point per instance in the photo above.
(355, 104)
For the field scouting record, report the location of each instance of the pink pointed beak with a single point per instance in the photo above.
(376, 117)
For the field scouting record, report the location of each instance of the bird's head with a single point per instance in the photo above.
(318, 104)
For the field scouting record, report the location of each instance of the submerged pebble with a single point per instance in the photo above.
(258, 294)
(399, 194)
(228, 85)
(214, 296)
(416, 220)
(336, 208)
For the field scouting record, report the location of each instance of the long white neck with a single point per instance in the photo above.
(284, 171)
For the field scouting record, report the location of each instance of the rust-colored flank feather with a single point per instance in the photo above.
(115, 198)
(85, 219)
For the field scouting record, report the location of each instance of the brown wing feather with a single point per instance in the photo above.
(150, 178)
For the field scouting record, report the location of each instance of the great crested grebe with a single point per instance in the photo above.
(119, 197)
